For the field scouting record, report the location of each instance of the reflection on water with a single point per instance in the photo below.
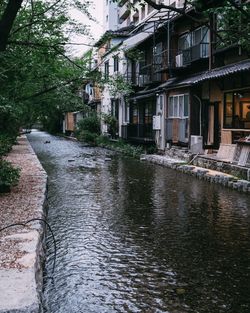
(135, 237)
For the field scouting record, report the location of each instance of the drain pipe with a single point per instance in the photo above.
(200, 109)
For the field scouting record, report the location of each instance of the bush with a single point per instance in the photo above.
(102, 141)
(9, 122)
(6, 143)
(112, 123)
(88, 129)
(9, 175)
(120, 146)
(151, 149)
(90, 123)
(87, 136)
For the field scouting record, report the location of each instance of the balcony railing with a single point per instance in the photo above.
(124, 12)
(149, 73)
(194, 53)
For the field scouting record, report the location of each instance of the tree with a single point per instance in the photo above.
(233, 17)
(38, 78)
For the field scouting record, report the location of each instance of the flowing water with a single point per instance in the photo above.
(135, 237)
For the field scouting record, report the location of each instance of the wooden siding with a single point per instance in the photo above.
(69, 118)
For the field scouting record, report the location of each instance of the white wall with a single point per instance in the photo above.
(110, 15)
(106, 96)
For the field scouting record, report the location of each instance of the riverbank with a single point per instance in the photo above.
(212, 176)
(199, 168)
(22, 250)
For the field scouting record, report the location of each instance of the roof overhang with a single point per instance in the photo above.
(216, 73)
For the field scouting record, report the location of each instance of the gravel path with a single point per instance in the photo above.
(21, 247)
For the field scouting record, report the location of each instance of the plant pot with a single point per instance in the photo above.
(4, 188)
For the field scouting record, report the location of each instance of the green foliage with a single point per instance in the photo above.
(102, 141)
(89, 123)
(135, 54)
(120, 146)
(88, 137)
(119, 86)
(38, 80)
(9, 175)
(112, 124)
(151, 149)
(88, 129)
(233, 26)
(6, 143)
(9, 120)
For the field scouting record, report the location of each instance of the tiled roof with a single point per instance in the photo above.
(208, 75)
(122, 32)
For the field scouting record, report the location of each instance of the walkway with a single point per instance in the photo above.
(21, 248)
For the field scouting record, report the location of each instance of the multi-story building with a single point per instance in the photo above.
(186, 87)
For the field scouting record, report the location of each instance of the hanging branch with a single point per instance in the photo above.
(7, 21)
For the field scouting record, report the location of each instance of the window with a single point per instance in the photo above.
(184, 41)
(106, 70)
(198, 36)
(115, 108)
(228, 110)
(116, 63)
(237, 110)
(178, 106)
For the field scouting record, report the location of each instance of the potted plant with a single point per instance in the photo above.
(9, 176)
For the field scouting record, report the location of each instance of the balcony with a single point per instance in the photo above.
(194, 53)
(124, 12)
(130, 78)
(121, 2)
(138, 132)
(149, 73)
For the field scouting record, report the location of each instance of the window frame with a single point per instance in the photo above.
(116, 63)
(106, 69)
(177, 110)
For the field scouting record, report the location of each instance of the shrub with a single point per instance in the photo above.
(151, 149)
(102, 140)
(112, 123)
(90, 123)
(9, 175)
(87, 136)
(6, 143)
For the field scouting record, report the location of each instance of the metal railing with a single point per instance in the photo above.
(193, 53)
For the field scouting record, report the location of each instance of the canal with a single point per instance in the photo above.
(136, 237)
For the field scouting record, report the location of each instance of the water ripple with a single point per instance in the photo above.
(134, 237)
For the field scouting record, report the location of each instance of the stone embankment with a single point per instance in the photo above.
(209, 175)
(22, 248)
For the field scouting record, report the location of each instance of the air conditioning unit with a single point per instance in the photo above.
(179, 60)
(196, 145)
(179, 4)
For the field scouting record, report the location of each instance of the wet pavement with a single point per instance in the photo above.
(137, 237)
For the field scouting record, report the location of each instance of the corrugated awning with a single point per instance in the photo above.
(147, 93)
(208, 75)
(137, 39)
(147, 28)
